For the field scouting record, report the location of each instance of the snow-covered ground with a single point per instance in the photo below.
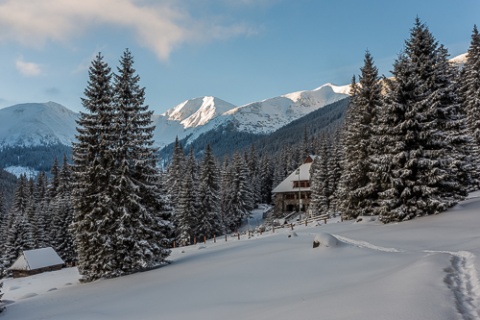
(421, 269)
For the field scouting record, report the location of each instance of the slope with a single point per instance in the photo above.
(426, 268)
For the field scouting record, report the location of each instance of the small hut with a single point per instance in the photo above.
(36, 261)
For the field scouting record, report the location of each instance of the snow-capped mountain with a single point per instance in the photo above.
(460, 59)
(33, 124)
(197, 116)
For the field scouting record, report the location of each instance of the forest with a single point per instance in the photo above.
(398, 148)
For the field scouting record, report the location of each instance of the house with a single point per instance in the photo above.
(36, 261)
(293, 193)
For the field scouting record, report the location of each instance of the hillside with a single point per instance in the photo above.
(421, 269)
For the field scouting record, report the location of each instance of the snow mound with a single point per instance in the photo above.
(292, 234)
(324, 240)
(366, 219)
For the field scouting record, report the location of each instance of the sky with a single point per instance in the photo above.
(240, 51)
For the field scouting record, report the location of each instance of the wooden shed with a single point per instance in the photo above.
(36, 261)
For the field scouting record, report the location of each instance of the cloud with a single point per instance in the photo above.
(160, 25)
(29, 69)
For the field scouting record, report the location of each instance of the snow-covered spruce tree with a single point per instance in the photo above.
(253, 170)
(334, 170)
(359, 188)
(319, 182)
(140, 232)
(175, 173)
(17, 236)
(3, 228)
(187, 207)
(208, 221)
(452, 130)
(94, 219)
(41, 200)
(2, 306)
(240, 199)
(266, 179)
(226, 178)
(61, 211)
(470, 94)
(415, 141)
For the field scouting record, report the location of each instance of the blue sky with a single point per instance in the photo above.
(240, 51)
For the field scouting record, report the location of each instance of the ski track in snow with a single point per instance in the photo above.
(364, 244)
(461, 278)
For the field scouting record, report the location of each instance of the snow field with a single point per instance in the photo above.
(421, 269)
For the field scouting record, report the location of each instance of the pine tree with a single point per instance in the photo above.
(470, 95)
(208, 222)
(186, 213)
(62, 216)
(416, 151)
(240, 200)
(266, 180)
(359, 189)
(319, 182)
(41, 199)
(92, 156)
(226, 178)
(16, 238)
(175, 173)
(2, 307)
(139, 234)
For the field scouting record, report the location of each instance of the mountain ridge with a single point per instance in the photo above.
(36, 124)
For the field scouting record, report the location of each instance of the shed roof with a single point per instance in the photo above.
(36, 259)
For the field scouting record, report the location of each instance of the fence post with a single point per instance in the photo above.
(214, 239)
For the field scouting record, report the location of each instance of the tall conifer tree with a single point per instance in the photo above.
(208, 222)
(139, 233)
(93, 162)
(416, 141)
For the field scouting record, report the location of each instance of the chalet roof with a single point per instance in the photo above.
(287, 184)
(36, 259)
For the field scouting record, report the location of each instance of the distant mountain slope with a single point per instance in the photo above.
(34, 124)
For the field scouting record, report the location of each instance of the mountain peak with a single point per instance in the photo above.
(199, 111)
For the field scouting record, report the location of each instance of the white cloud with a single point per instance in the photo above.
(160, 25)
(29, 69)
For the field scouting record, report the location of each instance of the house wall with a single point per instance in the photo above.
(289, 202)
(26, 273)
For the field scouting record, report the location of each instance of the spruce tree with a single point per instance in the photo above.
(17, 238)
(359, 188)
(2, 307)
(186, 213)
(208, 222)
(140, 232)
(175, 173)
(239, 200)
(92, 156)
(319, 182)
(61, 212)
(266, 179)
(470, 98)
(416, 151)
